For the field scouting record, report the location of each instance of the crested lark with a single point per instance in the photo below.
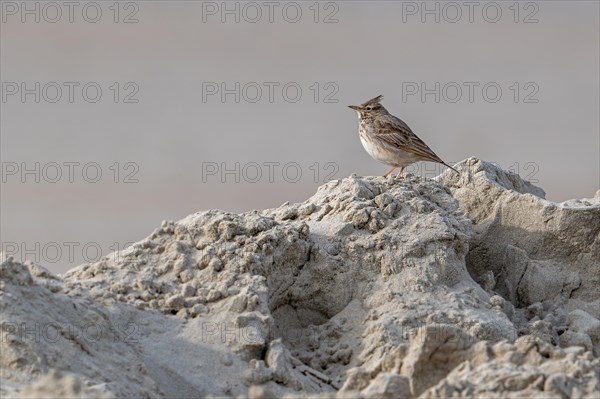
(389, 140)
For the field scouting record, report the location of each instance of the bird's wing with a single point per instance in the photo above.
(397, 133)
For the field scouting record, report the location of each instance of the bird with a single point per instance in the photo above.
(389, 140)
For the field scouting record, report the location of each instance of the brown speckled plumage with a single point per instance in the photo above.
(388, 139)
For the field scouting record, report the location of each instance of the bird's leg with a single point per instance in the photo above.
(390, 171)
(399, 173)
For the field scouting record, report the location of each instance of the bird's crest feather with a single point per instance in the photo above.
(372, 101)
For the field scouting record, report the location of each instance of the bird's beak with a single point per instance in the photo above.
(354, 107)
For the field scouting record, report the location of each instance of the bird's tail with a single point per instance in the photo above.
(445, 164)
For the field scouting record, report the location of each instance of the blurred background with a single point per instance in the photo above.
(116, 116)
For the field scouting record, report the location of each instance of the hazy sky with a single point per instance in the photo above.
(115, 118)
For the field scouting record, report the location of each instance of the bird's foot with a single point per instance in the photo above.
(390, 171)
(398, 175)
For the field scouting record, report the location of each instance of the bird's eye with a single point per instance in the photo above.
(369, 108)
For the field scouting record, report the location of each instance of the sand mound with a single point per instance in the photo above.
(470, 285)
